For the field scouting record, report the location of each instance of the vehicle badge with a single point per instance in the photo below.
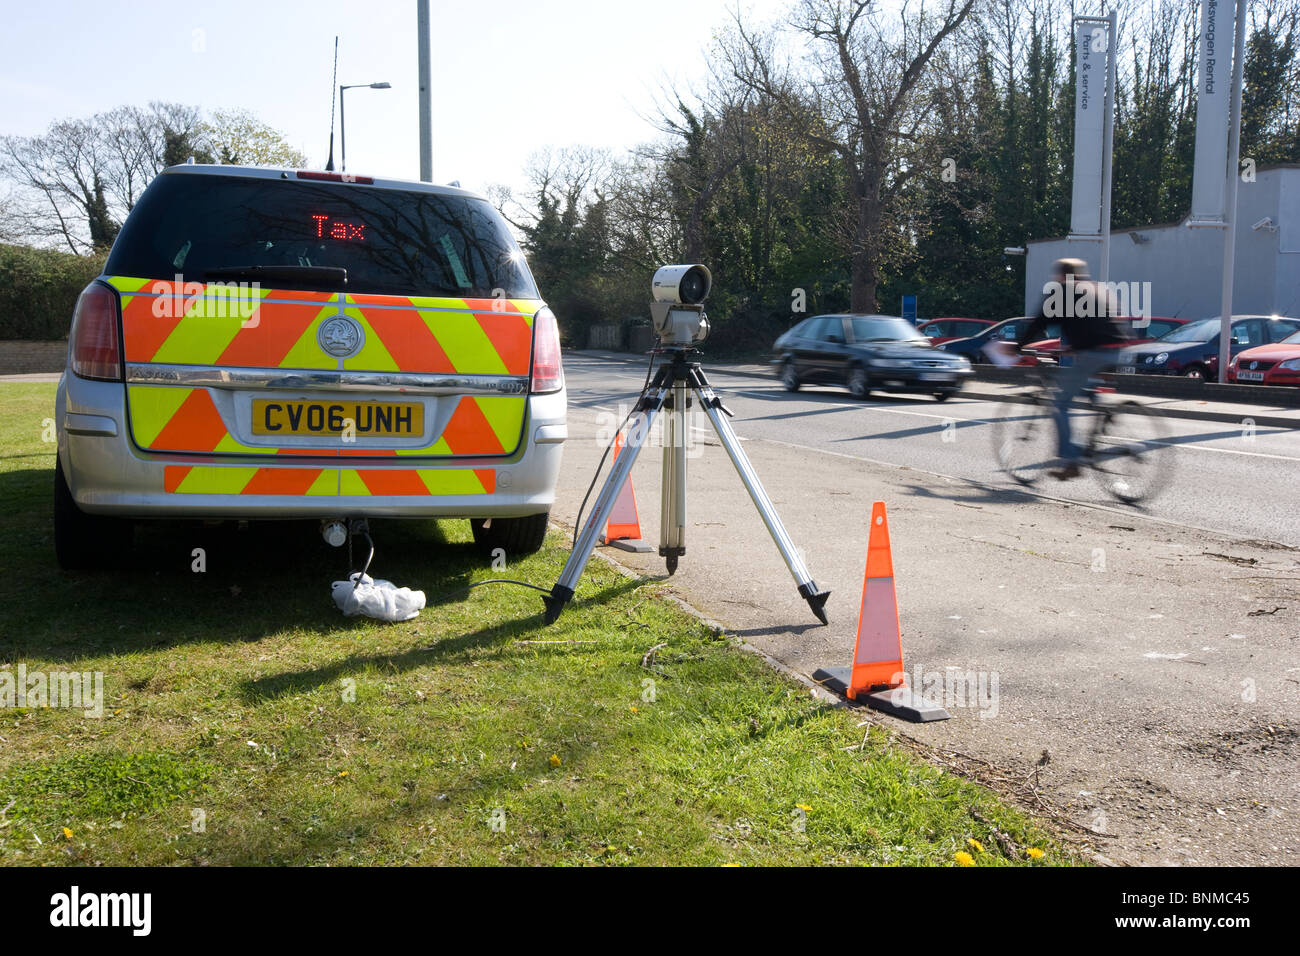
(340, 336)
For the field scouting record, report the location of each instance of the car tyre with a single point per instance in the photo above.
(514, 536)
(1195, 372)
(789, 377)
(942, 396)
(82, 541)
(858, 382)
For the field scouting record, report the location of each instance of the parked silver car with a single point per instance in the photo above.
(271, 343)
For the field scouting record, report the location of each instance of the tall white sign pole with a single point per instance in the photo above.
(426, 94)
(1234, 174)
(1213, 93)
(1107, 148)
(1094, 71)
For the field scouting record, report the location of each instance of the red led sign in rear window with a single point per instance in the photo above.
(327, 228)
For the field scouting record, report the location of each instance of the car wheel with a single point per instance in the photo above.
(1196, 372)
(942, 396)
(789, 377)
(84, 541)
(514, 536)
(859, 382)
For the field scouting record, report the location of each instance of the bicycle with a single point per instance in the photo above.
(1124, 448)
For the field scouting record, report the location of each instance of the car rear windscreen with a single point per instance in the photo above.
(390, 241)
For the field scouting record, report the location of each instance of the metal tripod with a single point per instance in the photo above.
(672, 389)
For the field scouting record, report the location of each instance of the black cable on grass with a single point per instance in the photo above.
(577, 525)
(478, 584)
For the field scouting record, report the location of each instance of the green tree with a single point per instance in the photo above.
(238, 137)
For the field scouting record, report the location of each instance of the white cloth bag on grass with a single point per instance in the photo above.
(378, 599)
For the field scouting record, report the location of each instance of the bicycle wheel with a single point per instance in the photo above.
(1024, 440)
(1129, 454)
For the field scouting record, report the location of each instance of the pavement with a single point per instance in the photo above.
(1138, 666)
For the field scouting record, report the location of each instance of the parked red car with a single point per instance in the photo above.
(1158, 326)
(945, 330)
(1276, 364)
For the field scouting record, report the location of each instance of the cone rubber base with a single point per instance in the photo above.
(635, 545)
(898, 702)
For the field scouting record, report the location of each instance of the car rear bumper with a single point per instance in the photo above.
(1167, 368)
(108, 474)
(1284, 377)
(919, 380)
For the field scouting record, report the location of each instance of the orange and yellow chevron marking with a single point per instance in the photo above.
(175, 418)
(417, 481)
(179, 418)
(363, 482)
(239, 325)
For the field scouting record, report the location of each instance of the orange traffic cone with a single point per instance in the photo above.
(876, 677)
(878, 653)
(623, 530)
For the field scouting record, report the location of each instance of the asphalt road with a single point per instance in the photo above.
(1151, 654)
(1224, 477)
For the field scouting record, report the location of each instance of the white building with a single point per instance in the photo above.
(1185, 265)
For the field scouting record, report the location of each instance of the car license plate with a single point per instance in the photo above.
(935, 377)
(1126, 370)
(1250, 376)
(365, 419)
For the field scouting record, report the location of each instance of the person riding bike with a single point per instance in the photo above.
(1087, 313)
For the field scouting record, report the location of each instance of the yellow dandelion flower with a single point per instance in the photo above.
(67, 834)
(975, 845)
(804, 807)
(1034, 853)
(343, 773)
(731, 864)
(634, 710)
(963, 858)
(555, 760)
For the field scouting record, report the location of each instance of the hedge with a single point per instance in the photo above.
(39, 289)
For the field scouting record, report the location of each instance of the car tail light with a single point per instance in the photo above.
(548, 370)
(94, 336)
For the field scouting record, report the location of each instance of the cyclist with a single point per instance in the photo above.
(1087, 314)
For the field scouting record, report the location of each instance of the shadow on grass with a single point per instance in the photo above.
(450, 650)
(188, 581)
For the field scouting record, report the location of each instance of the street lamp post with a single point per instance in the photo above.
(343, 130)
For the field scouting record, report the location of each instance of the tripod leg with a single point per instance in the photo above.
(586, 537)
(808, 589)
(672, 501)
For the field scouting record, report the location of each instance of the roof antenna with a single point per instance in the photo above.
(333, 93)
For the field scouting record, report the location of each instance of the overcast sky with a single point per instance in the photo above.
(509, 76)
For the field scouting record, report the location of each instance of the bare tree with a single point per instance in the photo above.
(866, 72)
(67, 171)
(76, 183)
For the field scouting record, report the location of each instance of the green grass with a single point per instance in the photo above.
(247, 722)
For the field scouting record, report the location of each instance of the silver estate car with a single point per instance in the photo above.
(270, 343)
